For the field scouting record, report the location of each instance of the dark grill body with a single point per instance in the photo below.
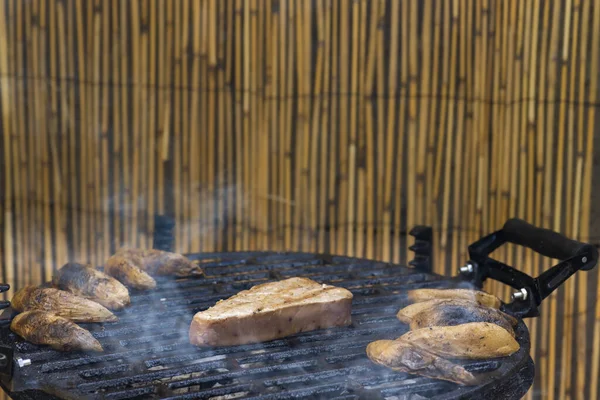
(147, 354)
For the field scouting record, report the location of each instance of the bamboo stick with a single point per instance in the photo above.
(192, 134)
(413, 213)
(351, 162)
(124, 119)
(210, 39)
(240, 196)
(361, 137)
(332, 196)
(117, 170)
(593, 97)
(392, 90)
(152, 117)
(342, 206)
(247, 125)
(369, 111)
(95, 132)
(316, 124)
(454, 12)
(580, 212)
(444, 137)
(325, 123)
(401, 111)
(540, 184)
(383, 215)
(9, 256)
(572, 11)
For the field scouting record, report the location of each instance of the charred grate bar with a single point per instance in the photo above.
(152, 358)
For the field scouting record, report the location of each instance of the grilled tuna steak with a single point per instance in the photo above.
(482, 298)
(44, 328)
(61, 303)
(135, 267)
(473, 340)
(401, 356)
(270, 311)
(88, 282)
(456, 312)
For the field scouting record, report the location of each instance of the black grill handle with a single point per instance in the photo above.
(546, 242)
(573, 256)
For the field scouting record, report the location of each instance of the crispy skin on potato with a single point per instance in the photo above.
(44, 328)
(126, 271)
(482, 298)
(474, 340)
(88, 282)
(61, 303)
(136, 267)
(453, 312)
(159, 262)
(401, 356)
(407, 313)
(271, 311)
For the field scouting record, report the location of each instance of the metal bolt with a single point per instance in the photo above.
(467, 269)
(23, 363)
(584, 260)
(520, 295)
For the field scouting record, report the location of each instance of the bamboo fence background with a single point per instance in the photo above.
(321, 125)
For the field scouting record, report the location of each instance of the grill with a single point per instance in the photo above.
(147, 354)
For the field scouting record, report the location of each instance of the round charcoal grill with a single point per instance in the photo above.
(147, 354)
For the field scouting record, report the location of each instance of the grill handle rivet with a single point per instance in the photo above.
(23, 363)
(467, 269)
(520, 295)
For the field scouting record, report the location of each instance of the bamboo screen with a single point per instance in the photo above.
(323, 125)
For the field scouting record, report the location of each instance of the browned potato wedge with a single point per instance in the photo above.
(400, 355)
(44, 328)
(409, 312)
(475, 340)
(61, 303)
(482, 298)
(452, 312)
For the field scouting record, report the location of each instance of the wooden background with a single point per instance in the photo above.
(323, 125)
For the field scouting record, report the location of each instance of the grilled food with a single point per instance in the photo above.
(126, 271)
(401, 356)
(136, 267)
(44, 328)
(474, 340)
(88, 282)
(482, 298)
(270, 311)
(407, 313)
(456, 312)
(61, 303)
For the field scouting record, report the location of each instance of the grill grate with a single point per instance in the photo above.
(147, 354)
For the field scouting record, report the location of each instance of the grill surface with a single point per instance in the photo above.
(147, 354)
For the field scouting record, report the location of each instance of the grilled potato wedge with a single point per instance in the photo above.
(453, 312)
(136, 267)
(481, 298)
(474, 340)
(126, 271)
(400, 355)
(61, 303)
(407, 313)
(88, 282)
(44, 328)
